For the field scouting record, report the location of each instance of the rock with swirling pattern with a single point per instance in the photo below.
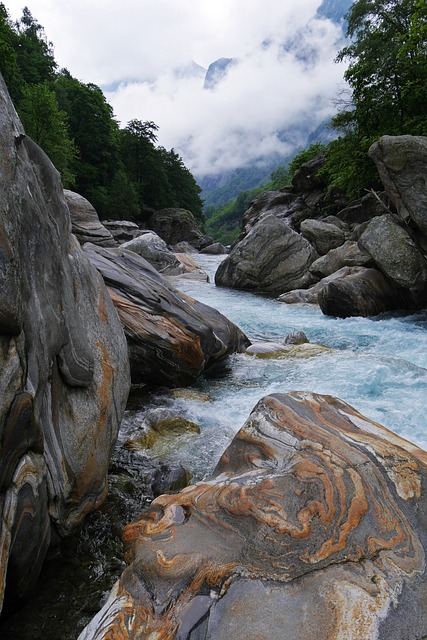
(312, 527)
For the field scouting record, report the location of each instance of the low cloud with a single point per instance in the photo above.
(141, 53)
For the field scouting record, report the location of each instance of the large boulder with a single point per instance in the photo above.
(394, 252)
(324, 236)
(311, 295)
(172, 338)
(402, 164)
(348, 254)
(176, 225)
(64, 370)
(85, 223)
(312, 526)
(271, 258)
(364, 292)
(151, 247)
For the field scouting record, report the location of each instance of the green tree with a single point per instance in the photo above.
(47, 125)
(186, 191)
(387, 75)
(95, 134)
(9, 66)
(144, 166)
(34, 52)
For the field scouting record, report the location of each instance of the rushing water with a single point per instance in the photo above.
(378, 365)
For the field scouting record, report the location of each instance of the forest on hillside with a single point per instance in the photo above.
(121, 171)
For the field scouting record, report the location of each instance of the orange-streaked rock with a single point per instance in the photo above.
(312, 527)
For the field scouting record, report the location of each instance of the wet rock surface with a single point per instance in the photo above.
(312, 524)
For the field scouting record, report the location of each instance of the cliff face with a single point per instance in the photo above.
(64, 370)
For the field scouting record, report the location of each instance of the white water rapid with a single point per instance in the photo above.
(378, 365)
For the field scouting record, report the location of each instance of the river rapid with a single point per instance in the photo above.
(378, 365)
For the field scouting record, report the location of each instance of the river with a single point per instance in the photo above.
(378, 365)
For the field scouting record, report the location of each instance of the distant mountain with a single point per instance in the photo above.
(217, 70)
(221, 188)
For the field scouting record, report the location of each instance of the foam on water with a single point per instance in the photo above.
(378, 365)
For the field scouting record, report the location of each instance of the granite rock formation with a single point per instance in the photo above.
(172, 338)
(271, 258)
(85, 223)
(386, 232)
(312, 527)
(155, 250)
(176, 225)
(64, 370)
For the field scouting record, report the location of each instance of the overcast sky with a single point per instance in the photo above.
(141, 47)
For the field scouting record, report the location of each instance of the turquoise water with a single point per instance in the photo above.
(378, 365)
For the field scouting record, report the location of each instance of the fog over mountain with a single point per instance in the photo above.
(229, 84)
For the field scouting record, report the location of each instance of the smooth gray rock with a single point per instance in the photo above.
(151, 247)
(311, 295)
(322, 235)
(395, 253)
(364, 293)
(123, 230)
(271, 258)
(215, 249)
(172, 338)
(402, 164)
(86, 225)
(64, 370)
(176, 225)
(348, 254)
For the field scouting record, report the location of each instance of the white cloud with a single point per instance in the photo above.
(142, 42)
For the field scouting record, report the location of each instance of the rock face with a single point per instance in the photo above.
(171, 337)
(402, 164)
(312, 526)
(64, 371)
(85, 223)
(386, 232)
(271, 258)
(177, 225)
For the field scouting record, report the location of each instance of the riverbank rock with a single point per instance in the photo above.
(151, 247)
(176, 225)
(312, 526)
(402, 164)
(171, 338)
(123, 230)
(385, 231)
(363, 292)
(64, 370)
(85, 223)
(271, 258)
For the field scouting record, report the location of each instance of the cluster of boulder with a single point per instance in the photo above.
(72, 341)
(367, 257)
(313, 524)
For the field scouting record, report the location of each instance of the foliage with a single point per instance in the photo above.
(387, 75)
(120, 171)
(47, 125)
(304, 156)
